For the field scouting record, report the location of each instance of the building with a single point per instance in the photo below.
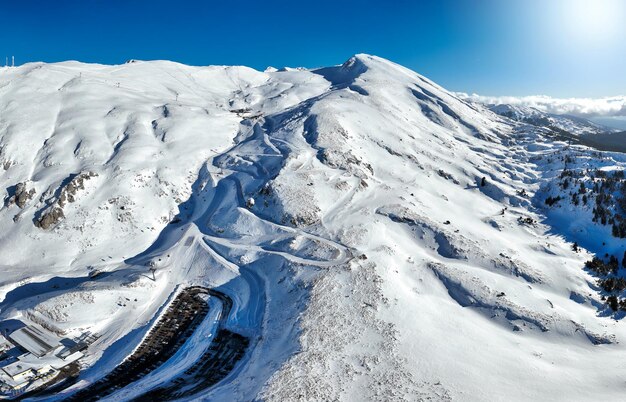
(21, 373)
(35, 340)
(32, 356)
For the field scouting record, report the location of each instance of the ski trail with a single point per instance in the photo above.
(244, 168)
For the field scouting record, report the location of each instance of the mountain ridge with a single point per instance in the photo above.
(380, 238)
(572, 124)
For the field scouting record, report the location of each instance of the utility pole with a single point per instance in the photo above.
(12, 61)
(6, 61)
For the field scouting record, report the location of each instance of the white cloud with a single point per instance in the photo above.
(583, 107)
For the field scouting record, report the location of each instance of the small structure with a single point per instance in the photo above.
(35, 340)
(20, 373)
(32, 356)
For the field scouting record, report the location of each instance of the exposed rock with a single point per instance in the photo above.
(77, 183)
(21, 195)
(346, 161)
(50, 218)
(54, 213)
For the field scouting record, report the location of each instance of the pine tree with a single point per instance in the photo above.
(613, 264)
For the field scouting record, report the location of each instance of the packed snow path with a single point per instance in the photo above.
(221, 196)
(264, 186)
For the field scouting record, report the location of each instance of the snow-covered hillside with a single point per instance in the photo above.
(571, 124)
(380, 238)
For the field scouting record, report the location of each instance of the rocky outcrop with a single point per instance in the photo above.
(50, 218)
(21, 195)
(77, 183)
(53, 214)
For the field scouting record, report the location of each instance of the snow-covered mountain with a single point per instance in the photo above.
(378, 237)
(571, 124)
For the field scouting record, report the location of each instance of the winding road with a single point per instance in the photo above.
(190, 350)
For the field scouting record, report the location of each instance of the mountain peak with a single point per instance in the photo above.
(323, 207)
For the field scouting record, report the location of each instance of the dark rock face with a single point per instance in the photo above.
(50, 218)
(53, 214)
(21, 195)
(77, 183)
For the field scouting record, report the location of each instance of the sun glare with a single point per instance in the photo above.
(594, 21)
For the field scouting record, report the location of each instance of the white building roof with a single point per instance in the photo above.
(8, 381)
(17, 368)
(35, 340)
(18, 375)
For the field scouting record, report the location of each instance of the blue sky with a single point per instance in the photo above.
(560, 48)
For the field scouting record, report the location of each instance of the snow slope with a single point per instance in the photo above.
(378, 235)
(572, 124)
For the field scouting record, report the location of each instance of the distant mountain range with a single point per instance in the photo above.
(572, 124)
(349, 233)
(571, 128)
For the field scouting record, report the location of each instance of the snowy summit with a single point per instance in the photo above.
(353, 232)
